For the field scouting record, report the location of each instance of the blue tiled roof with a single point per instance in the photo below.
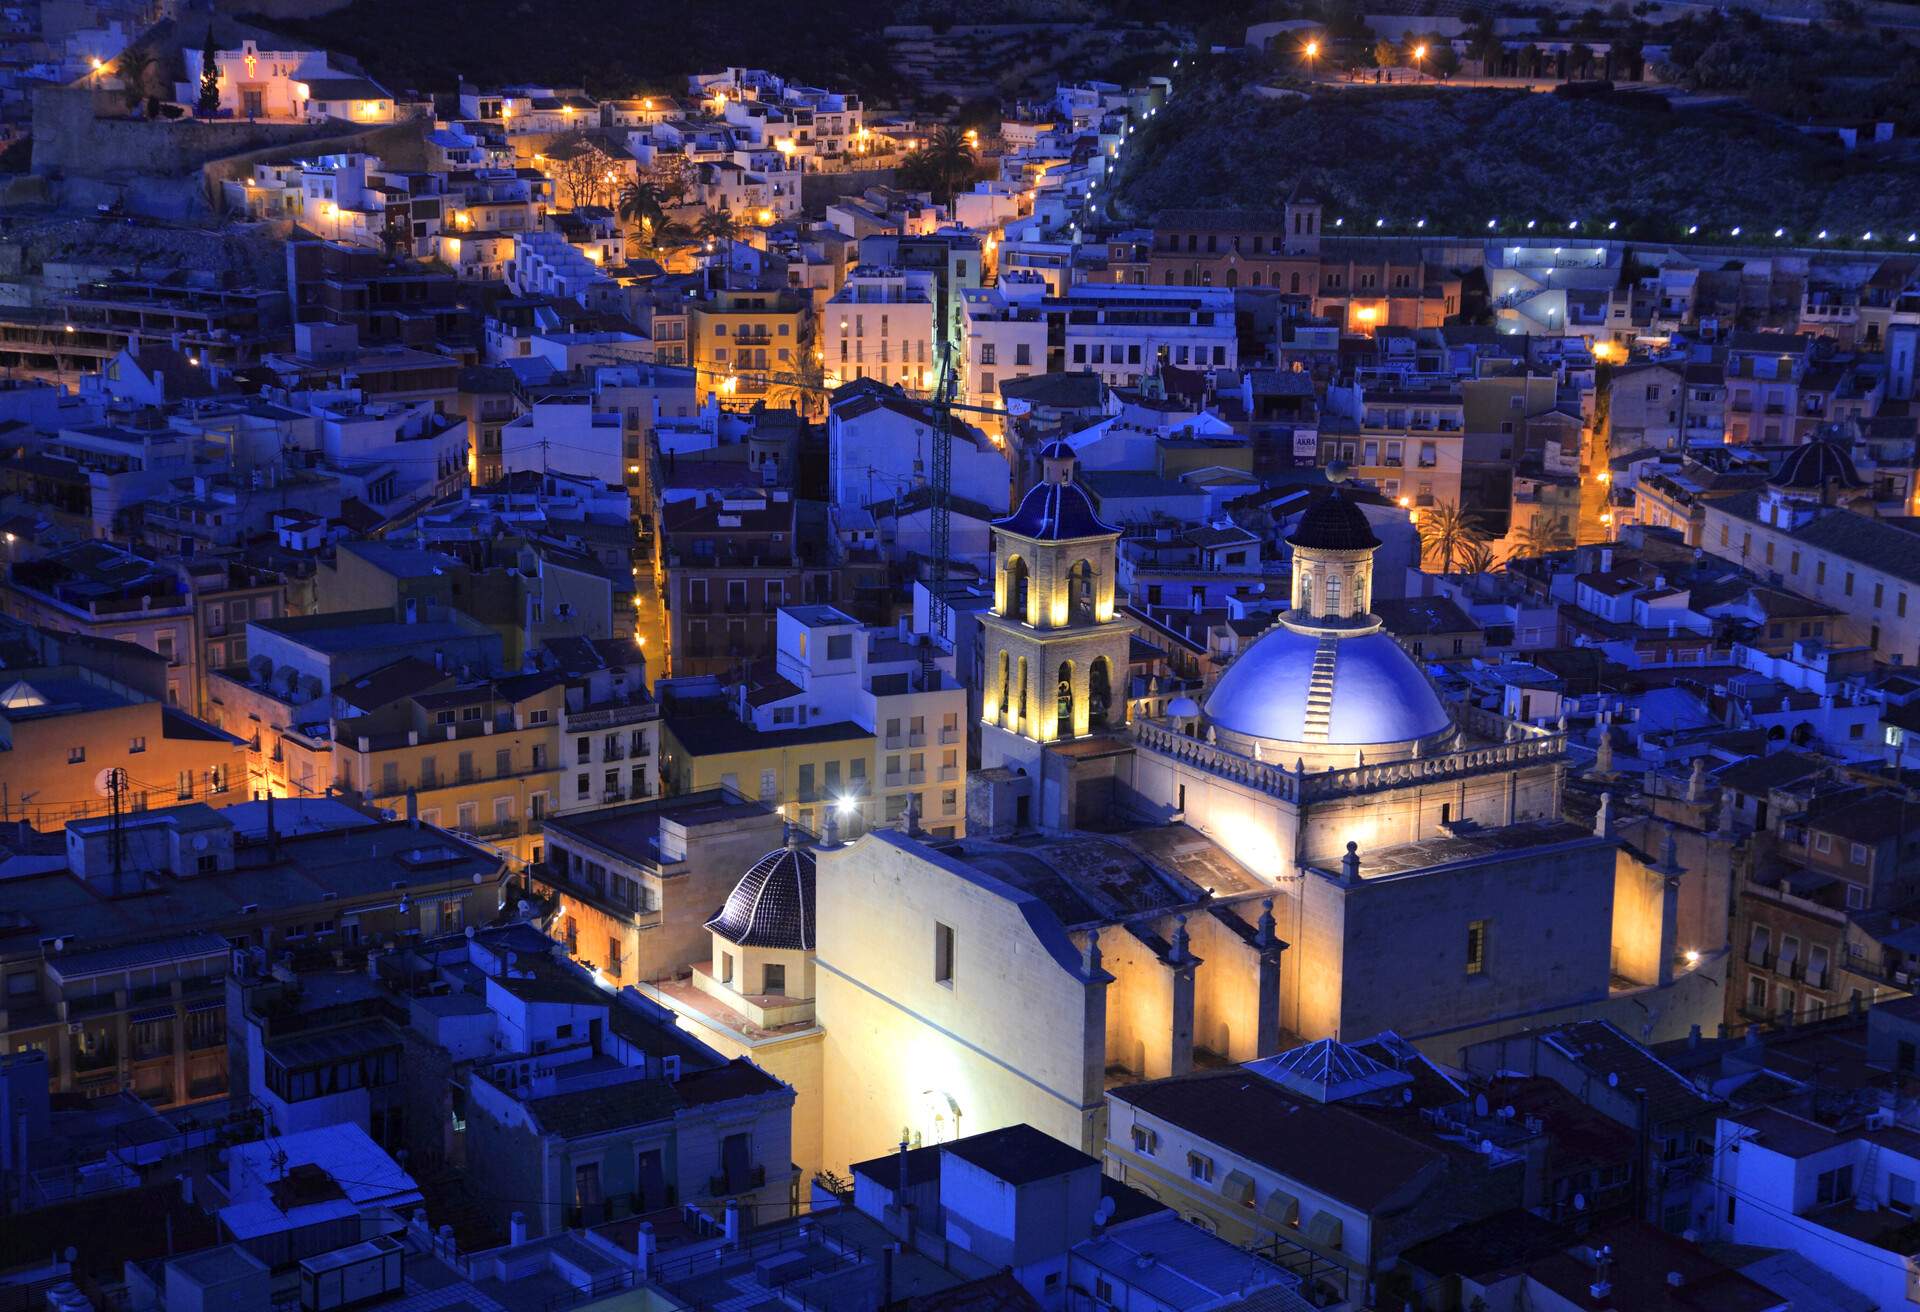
(1055, 511)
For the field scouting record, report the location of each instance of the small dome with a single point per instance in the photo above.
(1057, 450)
(1379, 697)
(1334, 523)
(772, 905)
(1811, 467)
(1055, 512)
(1183, 708)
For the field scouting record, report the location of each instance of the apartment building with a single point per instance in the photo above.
(477, 756)
(634, 883)
(881, 325)
(732, 561)
(1410, 444)
(747, 343)
(115, 961)
(1277, 250)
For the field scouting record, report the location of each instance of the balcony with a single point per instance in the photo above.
(500, 829)
(613, 795)
(949, 773)
(616, 752)
(916, 740)
(916, 777)
(948, 737)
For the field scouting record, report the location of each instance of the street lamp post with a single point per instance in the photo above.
(1311, 51)
(1419, 57)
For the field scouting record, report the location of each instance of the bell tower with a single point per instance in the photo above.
(1055, 655)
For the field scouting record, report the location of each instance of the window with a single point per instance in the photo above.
(1835, 1186)
(1200, 1167)
(1476, 947)
(76, 755)
(943, 946)
(839, 646)
(1756, 993)
(1900, 1194)
(1146, 1142)
(726, 967)
(1858, 854)
(773, 981)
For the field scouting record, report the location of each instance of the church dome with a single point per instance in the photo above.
(772, 905)
(1334, 523)
(1812, 467)
(1371, 694)
(1054, 512)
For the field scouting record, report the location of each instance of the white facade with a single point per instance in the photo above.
(880, 448)
(880, 325)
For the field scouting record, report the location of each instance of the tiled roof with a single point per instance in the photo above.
(772, 905)
(1054, 512)
(1334, 523)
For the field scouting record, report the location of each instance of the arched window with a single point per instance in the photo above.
(1017, 581)
(1099, 693)
(1333, 595)
(1064, 707)
(1080, 593)
(1021, 720)
(1005, 685)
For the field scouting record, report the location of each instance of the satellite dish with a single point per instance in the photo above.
(1613, 1079)
(1479, 1104)
(1579, 1202)
(199, 842)
(103, 782)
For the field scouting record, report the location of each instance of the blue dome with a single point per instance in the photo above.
(1055, 512)
(1379, 695)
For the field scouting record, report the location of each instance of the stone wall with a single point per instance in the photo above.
(76, 131)
(818, 190)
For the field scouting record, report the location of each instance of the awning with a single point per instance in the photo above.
(1325, 1230)
(1281, 1207)
(151, 1014)
(1238, 1188)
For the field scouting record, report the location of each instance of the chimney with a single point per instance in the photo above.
(517, 1230)
(413, 808)
(273, 836)
(643, 1248)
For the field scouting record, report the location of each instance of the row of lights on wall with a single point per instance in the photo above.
(1693, 230)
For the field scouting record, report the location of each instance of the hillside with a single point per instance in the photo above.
(1458, 158)
(614, 47)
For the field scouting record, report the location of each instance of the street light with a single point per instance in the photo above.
(1419, 55)
(1312, 51)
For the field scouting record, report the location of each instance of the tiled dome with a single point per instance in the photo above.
(1811, 467)
(772, 905)
(1334, 523)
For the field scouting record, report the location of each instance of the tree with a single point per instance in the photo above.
(948, 156)
(721, 226)
(1386, 54)
(1580, 60)
(1545, 534)
(209, 102)
(1529, 61)
(640, 204)
(1486, 46)
(1477, 558)
(137, 65)
(673, 175)
(1447, 530)
(584, 170)
(1443, 62)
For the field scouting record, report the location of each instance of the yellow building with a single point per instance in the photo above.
(72, 736)
(476, 758)
(747, 345)
(802, 771)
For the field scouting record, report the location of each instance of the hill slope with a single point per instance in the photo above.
(1458, 158)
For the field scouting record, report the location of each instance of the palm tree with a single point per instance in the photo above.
(1447, 531)
(668, 232)
(1544, 534)
(1477, 558)
(137, 66)
(1486, 46)
(949, 155)
(641, 204)
(720, 225)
